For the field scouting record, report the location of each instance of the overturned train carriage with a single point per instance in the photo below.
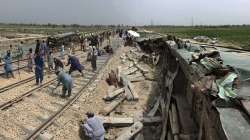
(56, 41)
(189, 108)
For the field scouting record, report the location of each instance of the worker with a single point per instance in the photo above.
(58, 64)
(43, 49)
(62, 51)
(108, 49)
(74, 64)
(85, 44)
(37, 49)
(11, 48)
(89, 55)
(50, 61)
(94, 58)
(82, 43)
(39, 62)
(72, 48)
(112, 79)
(93, 127)
(20, 50)
(67, 82)
(30, 57)
(8, 64)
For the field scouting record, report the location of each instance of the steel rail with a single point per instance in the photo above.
(8, 87)
(26, 94)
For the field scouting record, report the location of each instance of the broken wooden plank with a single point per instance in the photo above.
(112, 95)
(130, 132)
(117, 121)
(169, 135)
(152, 120)
(134, 93)
(172, 125)
(137, 79)
(139, 136)
(130, 71)
(188, 136)
(169, 96)
(128, 121)
(246, 105)
(150, 76)
(137, 74)
(128, 93)
(142, 69)
(110, 107)
(118, 73)
(152, 112)
(176, 125)
(129, 89)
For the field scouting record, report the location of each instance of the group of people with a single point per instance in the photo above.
(93, 126)
(36, 60)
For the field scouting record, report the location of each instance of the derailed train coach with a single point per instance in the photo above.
(204, 90)
(55, 41)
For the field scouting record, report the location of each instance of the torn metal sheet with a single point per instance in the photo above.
(234, 123)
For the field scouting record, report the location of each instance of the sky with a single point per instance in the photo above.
(127, 12)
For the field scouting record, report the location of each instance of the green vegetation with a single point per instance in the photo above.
(47, 29)
(237, 35)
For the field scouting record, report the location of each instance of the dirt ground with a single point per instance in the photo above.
(14, 39)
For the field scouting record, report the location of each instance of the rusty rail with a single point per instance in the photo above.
(8, 87)
(26, 94)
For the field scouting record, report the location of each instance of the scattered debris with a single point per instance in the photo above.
(110, 107)
(114, 94)
(130, 132)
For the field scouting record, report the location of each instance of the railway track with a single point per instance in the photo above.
(27, 119)
(19, 83)
(8, 87)
(27, 92)
(31, 111)
(78, 93)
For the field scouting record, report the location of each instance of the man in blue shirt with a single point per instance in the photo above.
(39, 62)
(67, 82)
(8, 64)
(93, 127)
(75, 64)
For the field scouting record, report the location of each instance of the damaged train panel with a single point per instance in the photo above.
(203, 89)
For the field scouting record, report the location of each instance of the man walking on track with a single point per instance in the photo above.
(94, 58)
(31, 62)
(39, 62)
